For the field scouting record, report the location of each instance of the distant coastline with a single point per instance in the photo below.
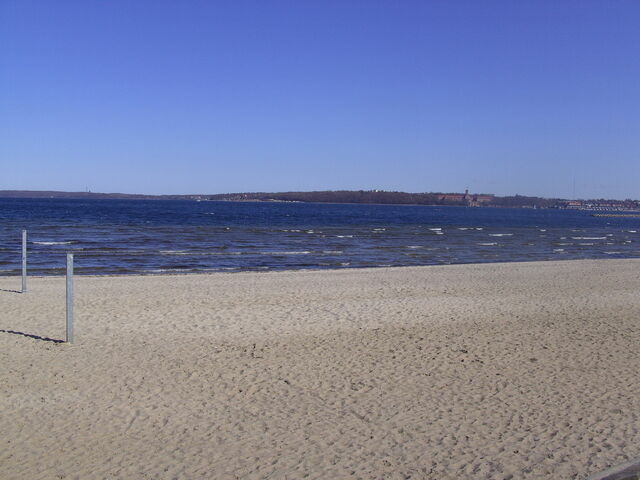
(380, 197)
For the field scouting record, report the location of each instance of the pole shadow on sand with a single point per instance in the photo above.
(36, 337)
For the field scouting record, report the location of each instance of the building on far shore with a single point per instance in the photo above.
(603, 205)
(471, 200)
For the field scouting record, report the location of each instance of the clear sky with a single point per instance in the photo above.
(505, 97)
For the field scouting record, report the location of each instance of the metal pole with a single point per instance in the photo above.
(24, 261)
(70, 297)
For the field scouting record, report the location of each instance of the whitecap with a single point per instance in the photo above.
(304, 252)
(500, 234)
(164, 270)
(52, 243)
(487, 244)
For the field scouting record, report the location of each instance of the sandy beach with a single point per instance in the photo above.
(494, 371)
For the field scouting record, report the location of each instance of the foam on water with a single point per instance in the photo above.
(52, 243)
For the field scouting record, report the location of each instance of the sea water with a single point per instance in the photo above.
(154, 236)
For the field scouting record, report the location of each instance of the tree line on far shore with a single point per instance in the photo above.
(392, 198)
(354, 196)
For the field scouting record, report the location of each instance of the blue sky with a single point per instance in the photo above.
(211, 96)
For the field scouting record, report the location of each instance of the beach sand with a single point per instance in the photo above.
(494, 371)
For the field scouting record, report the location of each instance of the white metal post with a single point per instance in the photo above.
(70, 297)
(24, 261)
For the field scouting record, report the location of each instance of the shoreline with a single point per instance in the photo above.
(273, 270)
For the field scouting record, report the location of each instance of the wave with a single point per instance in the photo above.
(192, 270)
(304, 252)
(589, 238)
(344, 236)
(163, 270)
(487, 244)
(192, 253)
(54, 243)
(500, 234)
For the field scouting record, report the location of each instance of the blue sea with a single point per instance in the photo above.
(152, 237)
